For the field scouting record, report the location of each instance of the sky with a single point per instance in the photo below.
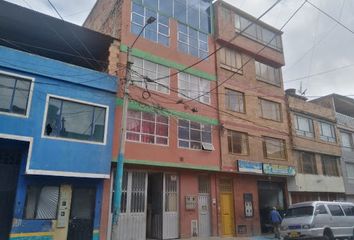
(319, 53)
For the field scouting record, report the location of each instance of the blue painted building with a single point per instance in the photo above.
(56, 125)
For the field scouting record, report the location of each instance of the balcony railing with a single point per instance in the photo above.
(345, 120)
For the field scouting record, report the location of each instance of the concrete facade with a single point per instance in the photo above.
(312, 182)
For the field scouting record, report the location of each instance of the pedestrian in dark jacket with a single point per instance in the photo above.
(276, 221)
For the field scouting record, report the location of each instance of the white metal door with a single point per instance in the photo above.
(170, 207)
(132, 220)
(204, 228)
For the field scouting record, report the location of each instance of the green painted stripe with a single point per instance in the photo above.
(170, 164)
(32, 238)
(133, 105)
(167, 63)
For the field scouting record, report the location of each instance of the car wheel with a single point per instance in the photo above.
(327, 235)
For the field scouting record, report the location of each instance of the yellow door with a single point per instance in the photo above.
(227, 209)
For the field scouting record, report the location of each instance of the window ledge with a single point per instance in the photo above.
(74, 140)
(232, 69)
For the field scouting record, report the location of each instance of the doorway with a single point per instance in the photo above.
(10, 158)
(154, 206)
(227, 207)
(204, 206)
(270, 195)
(81, 213)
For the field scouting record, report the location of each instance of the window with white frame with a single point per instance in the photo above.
(234, 101)
(269, 74)
(75, 120)
(304, 126)
(192, 41)
(147, 127)
(231, 60)
(327, 132)
(41, 202)
(193, 134)
(194, 87)
(274, 148)
(258, 32)
(143, 68)
(350, 170)
(14, 94)
(270, 110)
(157, 31)
(347, 141)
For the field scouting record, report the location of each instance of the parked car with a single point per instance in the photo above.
(318, 219)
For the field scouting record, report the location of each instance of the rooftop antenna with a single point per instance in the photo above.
(300, 91)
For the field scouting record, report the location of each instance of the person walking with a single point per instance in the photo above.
(276, 221)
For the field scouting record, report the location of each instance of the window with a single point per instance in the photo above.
(327, 132)
(153, 71)
(304, 126)
(348, 209)
(306, 163)
(231, 60)
(41, 202)
(157, 31)
(193, 87)
(258, 32)
(347, 141)
(329, 165)
(270, 110)
(192, 41)
(237, 142)
(268, 74)
(234, 101)
(321, 209)
(274, 148)
(192, 134)
(74, 120)
(350, 170)
(14, 94)
(335, 210)
(147, 127)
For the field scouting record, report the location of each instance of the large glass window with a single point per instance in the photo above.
(258, 32)
(147, 127)
(350, 170)
(347, 141)
(231, 60)
(14, 94)
(194, 87)
(270, 110)
(157, 31)
(329, 165)
(153, 71)
(74, 120)
(268, 74)
(193, 134)
(41, 202)
(327, 132)
(274, 148)
(306, 163)
(234, 101)
(304, 126)
(237, 142)
(192, 41)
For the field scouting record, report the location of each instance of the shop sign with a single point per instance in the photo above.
(275, 169)
(249, 167)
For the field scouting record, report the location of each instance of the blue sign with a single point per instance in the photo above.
(249, 167)
(275, 169)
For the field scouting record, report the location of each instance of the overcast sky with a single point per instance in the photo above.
(319, 53)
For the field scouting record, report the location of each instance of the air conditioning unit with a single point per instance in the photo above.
(194, 228)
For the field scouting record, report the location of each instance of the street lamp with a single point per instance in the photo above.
(120, 160)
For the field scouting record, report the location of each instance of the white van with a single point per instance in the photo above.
(324, 220)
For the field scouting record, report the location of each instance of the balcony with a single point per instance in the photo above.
(345, 120)
(315, 183)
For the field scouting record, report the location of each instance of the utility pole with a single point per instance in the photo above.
(123, 129)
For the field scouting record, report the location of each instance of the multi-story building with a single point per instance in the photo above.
(172, 141)
(56, 125)
(344, 109)
(255, 146)
(316, 151)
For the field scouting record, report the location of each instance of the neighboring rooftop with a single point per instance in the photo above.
(30, 31)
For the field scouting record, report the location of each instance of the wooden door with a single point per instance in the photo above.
(227, 208)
